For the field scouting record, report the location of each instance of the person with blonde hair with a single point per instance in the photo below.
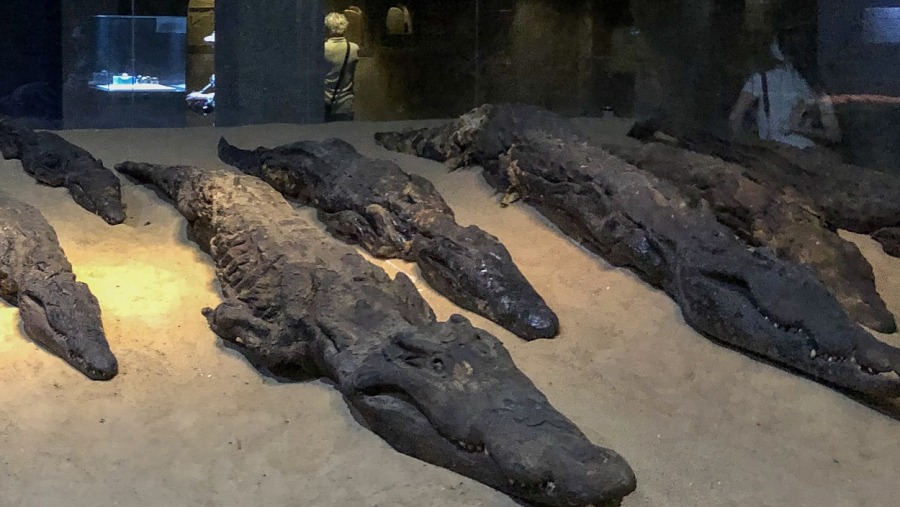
(341, 57)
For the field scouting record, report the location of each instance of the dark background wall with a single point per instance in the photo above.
(428, 73)
(541, 55)
(698, 56)
(686, 58)
(851, 65)
(848, 62)
(31, 52)
(153, 7)
(269, 62)
(464, 53)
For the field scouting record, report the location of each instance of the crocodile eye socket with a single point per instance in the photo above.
(437, 364)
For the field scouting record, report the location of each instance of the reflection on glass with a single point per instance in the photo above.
(786, 109)
(203, 101)
(140, 54)
(882, 25)
(130, 73)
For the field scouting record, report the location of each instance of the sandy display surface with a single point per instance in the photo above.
(188, 423)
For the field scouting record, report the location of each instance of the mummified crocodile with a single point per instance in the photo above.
(55, 162)
(741, 296)
(850, 197)
(301, 305)
(375, 204)
(59, 313)
(780, 218)
(889, 237)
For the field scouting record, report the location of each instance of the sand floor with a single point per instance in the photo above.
(189, 423)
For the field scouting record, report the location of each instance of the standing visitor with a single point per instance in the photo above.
(341, 58)
(787, 110)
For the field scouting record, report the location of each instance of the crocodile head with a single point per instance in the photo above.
(56, 162)
(449, 394)
(97, 190)
(443, 392)
(476, 267)
(780, 311)
(62, 316)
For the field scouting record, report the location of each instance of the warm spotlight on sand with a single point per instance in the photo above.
(10, 337)
(132, 290)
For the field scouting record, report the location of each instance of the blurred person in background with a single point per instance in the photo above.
(787, 110)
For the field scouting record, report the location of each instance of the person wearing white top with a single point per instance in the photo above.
(787, 110)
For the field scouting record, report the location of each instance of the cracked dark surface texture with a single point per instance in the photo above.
(889, 237)
(393, 214)
(55, 162)
(300, 305)
(58, 313)
(850, 197)
(743, 297)
(780, 219)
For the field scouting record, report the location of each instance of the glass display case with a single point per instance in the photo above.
(140, 54)
(133, 73)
